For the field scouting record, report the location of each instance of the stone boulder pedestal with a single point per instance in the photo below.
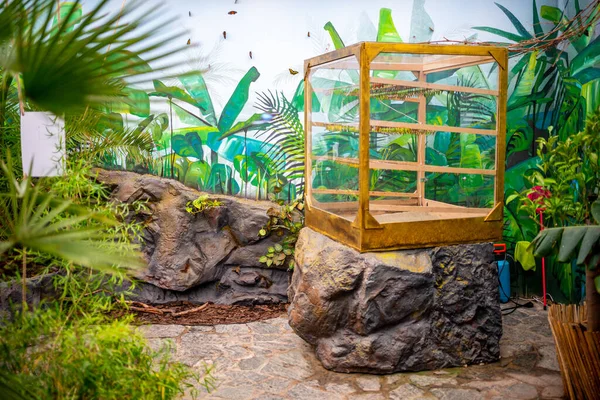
(395, 311)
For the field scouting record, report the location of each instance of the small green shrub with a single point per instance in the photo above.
(201, 204)
(74, 346)
(287, 220)
(567, 180)
(57, 354)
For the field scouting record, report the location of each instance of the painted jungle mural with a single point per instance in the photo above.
(252, 146)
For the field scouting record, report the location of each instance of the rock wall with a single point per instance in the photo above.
(37, 289)
(209, 256)
(395, 311)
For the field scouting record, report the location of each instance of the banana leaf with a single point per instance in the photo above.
(237, 101)
(387, 30)
(188, 145)
(197, 174)
(221, 180)
(338, 43)
(195, 85)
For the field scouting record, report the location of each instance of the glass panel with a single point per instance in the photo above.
(460, 189)
(461, 150)
(408, 91)
(391, 181)
(334, 135)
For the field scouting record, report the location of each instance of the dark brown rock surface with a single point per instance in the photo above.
(395, 311)
(209, 256)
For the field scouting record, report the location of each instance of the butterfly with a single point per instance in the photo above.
(189, 42)
(292, 71)
(250, 54)
(224, 35)
(189, 12)
(308, 34)
(232, 12)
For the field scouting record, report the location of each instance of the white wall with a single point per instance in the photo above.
(276, 32)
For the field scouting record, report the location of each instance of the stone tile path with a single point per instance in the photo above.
(267, 361)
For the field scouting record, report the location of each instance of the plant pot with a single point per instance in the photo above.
(577, 349)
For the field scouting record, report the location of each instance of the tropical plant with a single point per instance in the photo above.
(284, 134)
(554, 81)
(54, 354)
(566, 181)
(286, 220)
(553, 86)
(201, 204)
(585, 240)
(219, 135)
(68, 62)
(57, 58)
(72, 346)
(44, 222)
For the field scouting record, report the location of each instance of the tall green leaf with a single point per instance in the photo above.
(338, 43)
(188, 145)
(387, 30)
(162, 90)
(237, 101)
(526, 83)
(588, 57)
(515, 21)
(196, 87)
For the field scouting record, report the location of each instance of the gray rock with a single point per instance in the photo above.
(209, 256)
(37, 289)
(395, 311)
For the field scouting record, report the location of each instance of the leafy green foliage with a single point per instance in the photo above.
(69, 65)
(569, 171)
(286, 220)
(201, 204)
(387, 30)
(87, 358)
(77, 346)
(46, 223)
(286, 135)
(581, 240)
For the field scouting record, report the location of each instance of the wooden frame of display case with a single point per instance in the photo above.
(450, 224)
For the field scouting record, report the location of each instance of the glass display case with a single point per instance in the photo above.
(405, 144)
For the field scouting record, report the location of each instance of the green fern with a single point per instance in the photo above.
(284, 134)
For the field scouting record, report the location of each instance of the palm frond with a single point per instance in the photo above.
(74, 63)
(93, 140)
(284, 134)
(42, 222)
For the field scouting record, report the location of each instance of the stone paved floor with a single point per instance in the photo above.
(267, 361)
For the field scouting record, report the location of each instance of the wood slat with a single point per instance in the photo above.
(435, 86)
(336, 191)
(455, 63)
(418, 127)
(353, 162)
(392, 194)
(407, 166)
(435, 128)
(443, 209)
(371, 193)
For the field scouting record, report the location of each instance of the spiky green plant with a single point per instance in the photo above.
(286, 135)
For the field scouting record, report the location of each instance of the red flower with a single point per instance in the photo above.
(538, 193)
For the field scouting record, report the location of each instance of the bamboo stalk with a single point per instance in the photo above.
(24, 282)
(578, 351)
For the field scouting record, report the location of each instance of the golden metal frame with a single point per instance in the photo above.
(365, 233)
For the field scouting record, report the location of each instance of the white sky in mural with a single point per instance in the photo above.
(276, 33)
